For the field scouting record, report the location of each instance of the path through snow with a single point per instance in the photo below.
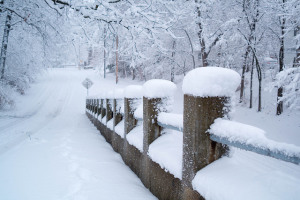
(50, 150)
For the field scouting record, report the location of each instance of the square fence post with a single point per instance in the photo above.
(207, 92)
(103, 109)
(98, 108)
(117, 116)
(109, 111)
(151, 129)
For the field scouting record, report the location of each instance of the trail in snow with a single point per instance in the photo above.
(50, 150)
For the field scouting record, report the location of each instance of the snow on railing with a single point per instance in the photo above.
(170, 121)
(252, 139)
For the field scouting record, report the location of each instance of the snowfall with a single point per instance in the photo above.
(49, 149)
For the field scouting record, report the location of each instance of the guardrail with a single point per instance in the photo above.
(201, 144)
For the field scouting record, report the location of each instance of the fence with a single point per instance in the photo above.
(200, 147)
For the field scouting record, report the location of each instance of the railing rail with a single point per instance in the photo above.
(259, 150)
(96, 109)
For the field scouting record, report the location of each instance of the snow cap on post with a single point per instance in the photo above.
(134, 91)
(158, 88)
(118, 93)
(109, 94)
(211, 82)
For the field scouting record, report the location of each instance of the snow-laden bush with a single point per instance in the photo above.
(289, 79)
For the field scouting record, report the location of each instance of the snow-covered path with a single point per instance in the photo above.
(50, 150)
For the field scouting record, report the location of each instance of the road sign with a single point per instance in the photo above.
(87, 83)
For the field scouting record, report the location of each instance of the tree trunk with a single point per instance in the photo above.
(5, 43)
(251, 84)
(204, 59)
(117, 69)
(201, 39)
(133, 74)
(104, 53)
(173, 63)
(297, 58)
(243, 74)
(192, 49)
(279, 109)
(259, 76)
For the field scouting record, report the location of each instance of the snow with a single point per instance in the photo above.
(109, 94)
(246, 134)
(119, 129)
(171, 119)
(157, 88)
(120, 106)
(138, 113)
(211, 81)
(167, 152)
(134, 91)
(118, 93)
(246, 175)
(104, 120)
(50, 150)
(110, 124)
(135, 136)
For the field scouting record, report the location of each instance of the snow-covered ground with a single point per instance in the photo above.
(49, 149)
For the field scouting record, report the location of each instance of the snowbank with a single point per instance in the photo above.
(135, 136)
(211, 81)
(249, 135)
(157, 88)
(167, 152)
(133, 91)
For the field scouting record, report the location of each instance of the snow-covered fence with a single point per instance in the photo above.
(156, 95)
(204, 123)
(252, 139)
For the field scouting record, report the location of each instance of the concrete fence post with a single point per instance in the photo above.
(151, 129)
(90, 104)
(156, 96)
(201, 107)
(130, 121)
(92, 107)
(103, 109)
(132, 97)
(117, 106)
(95, 107)
(117, 116)
(98, 108)
(109, 111)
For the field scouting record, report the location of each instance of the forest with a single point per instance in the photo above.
(142, 40)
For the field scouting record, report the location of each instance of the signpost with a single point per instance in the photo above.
(87, 83)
